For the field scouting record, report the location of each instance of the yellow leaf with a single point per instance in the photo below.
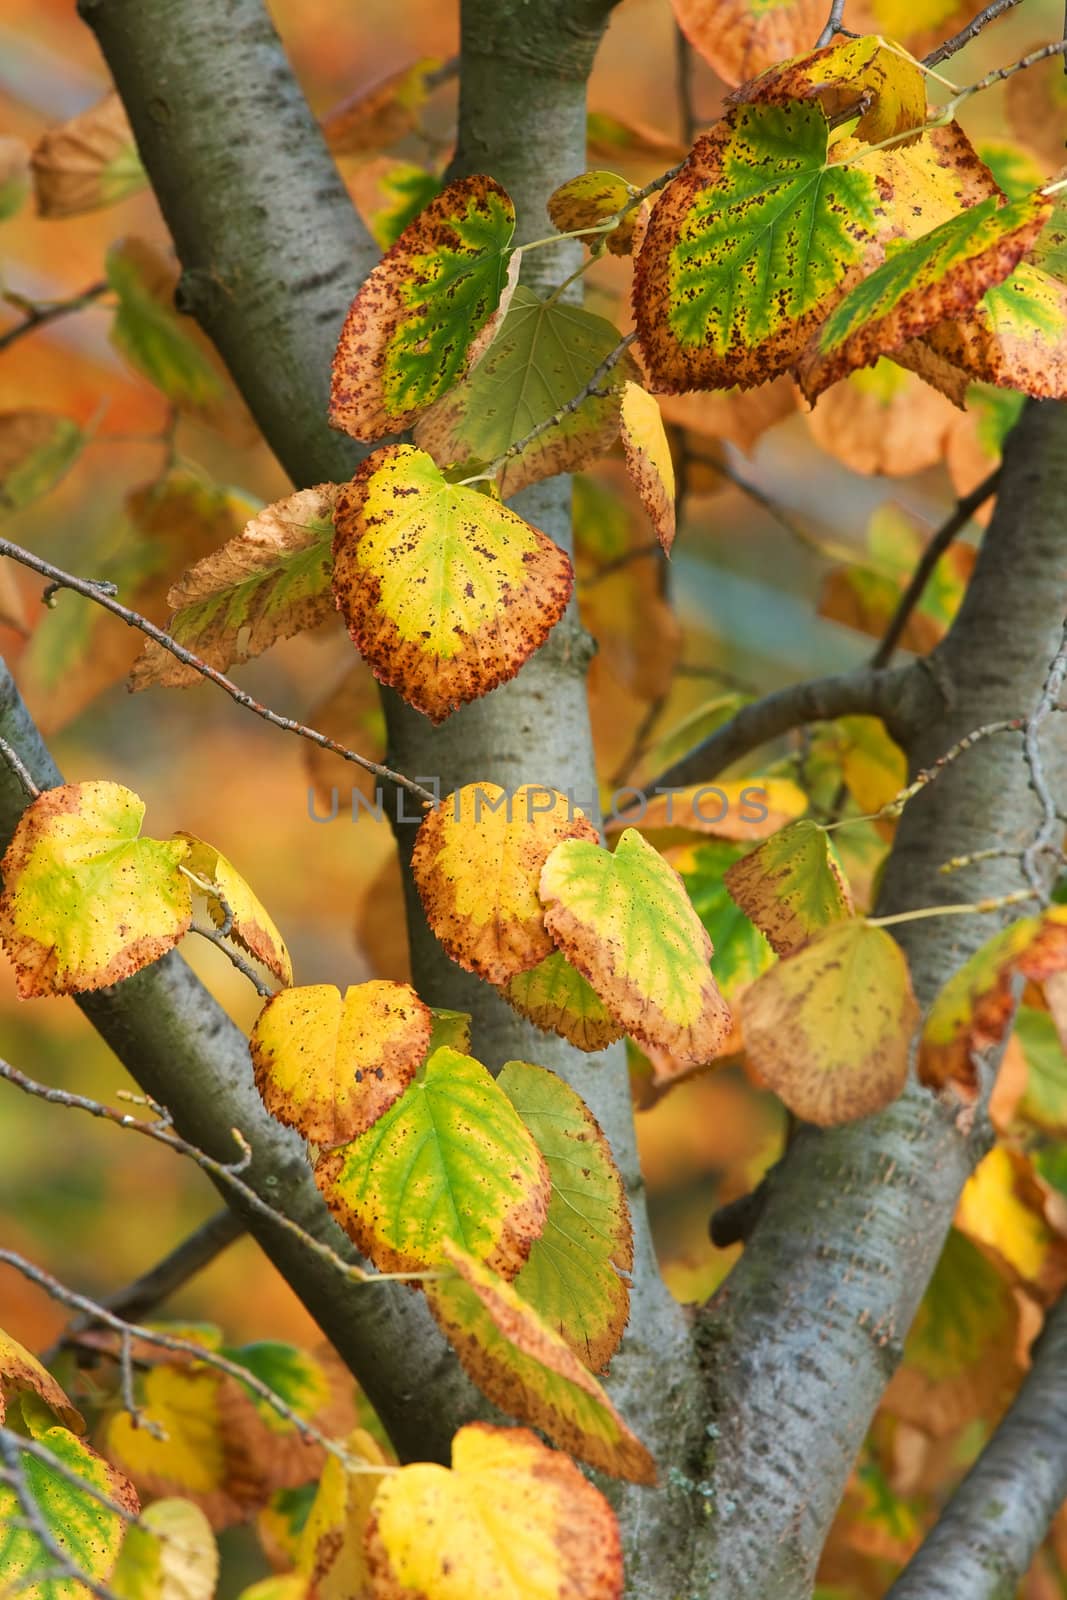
(86, 902)
(445, 591)
(250, 924)
(477, 862)
(512, 1520)
(872, 764)
(589, 200)
(21, 1372)
(330, 1066)
(829, 1027)
(169, 1554)
(648, 459)
(842, 75)
(332, 1549)
(993, 1211)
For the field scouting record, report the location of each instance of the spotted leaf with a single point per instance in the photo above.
(555, 997)
(791, 886)
(648, 459)
(881, 80)
(588, 201)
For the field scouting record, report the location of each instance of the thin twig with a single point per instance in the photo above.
(36, 316)
(20, 769)
(971, 31)
(964, 510)
(998, 75)
(100, 595)
(216, 937)
(833, 24)
(683, 84)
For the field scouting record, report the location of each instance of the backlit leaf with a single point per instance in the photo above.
(625, 921)
(791, 886)
(169, 1554)
(748, 249)
(330, 1066)
(843, 75)
(450, 1159)
(576, 1274)
(84, 1529)
(88, 162)
(149, 333)
(743, 37)
(21, 1372)
(741, 951)
(528, 1370)
(251, 926)
(87, 902)
(589, 200)
(426, 312)
(555, 997)
(541, 357)
(380, 114)
(269, 583)
(477, 862)
(1016, 335)
(513, 1520)
(829, 1028)
(648, 459)
(941, 274)
(36, 449)
(445, 591)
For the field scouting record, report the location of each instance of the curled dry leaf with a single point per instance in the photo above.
(269, 583)
(740, 38)
(87, 902)
(235, 908)
(830, 1026)
(451, 1159)
(625, 921)
(588, 201)
(22, 1373)
(866, 73)
(648, 459)
(445, 591)
(477, 862)
(509, 1506)
(526, 1369)
(330, 1065)
(88, 162)
(791, 886)
(426, 312)
(714, 308)
(555, 997)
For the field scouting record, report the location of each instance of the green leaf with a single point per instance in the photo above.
(450, 1159)
(150, 335)
(741, 951)
(296, 1377)
(942, 274)
(36, 449)
(791, 886)
(576, 1274)
(542, 356)
(1044, 1100)
(426, 312)
(749, 248)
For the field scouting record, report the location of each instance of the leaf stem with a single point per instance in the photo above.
(967, 909)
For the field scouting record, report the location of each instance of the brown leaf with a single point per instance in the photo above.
(88, 162)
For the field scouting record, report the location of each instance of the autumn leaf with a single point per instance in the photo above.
(477, 862)
(529, 1371)
(381, 114)
(611, 138)
(149, 334)
(401, 190)
(1035, 104)
(426, 312)
(625, 921)
(445, 591)
(848, 73)
(36, 449)
(865, 596)
(168, 1554)
(872, 764)
(648, 459)
(86, 901)
(543, 355)
(1043, 1102)
(576, 1276)
(22, 1373)
(791, 886)
(236, 912)
(748, 249)
(87, 1531)
(588, 201)
(829, 1027)
(556, 998)
(330, 1065)
(450, 1159)
(1002, 1208)
(88, 162)
(882, 419)
(270, 582)
(1016, 336)
(741, 951)
(741, 415)
(512, 1517)
(743, 809)
(941, 274)
(740, 38)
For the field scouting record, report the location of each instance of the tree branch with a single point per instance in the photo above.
(971, 31)
(989, 1531)
(36, 315)
(185, 1261)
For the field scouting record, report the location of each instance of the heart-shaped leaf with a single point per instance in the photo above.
(791, 886)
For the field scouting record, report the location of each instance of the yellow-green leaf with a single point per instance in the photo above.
(36, 449)
(1016, 336)
(451, 1159)
(21, 1373)
(88, 162)
(748, 248)
(86, 902)
(648, 459)
(445, 591)
(426, 312)
(1043, 1101)
(543, 355)
(236, 912)
(170, 1554)
(872, 764)
(791, 886)
(331, 1065)
(625, 921)
(576, 1277)
(149, 333)
(269, 583)
(529, 1371)
(829, 1027)
(588, 201)
(512, 1520)
(555, 997)
(849, 73)
(477, 862)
